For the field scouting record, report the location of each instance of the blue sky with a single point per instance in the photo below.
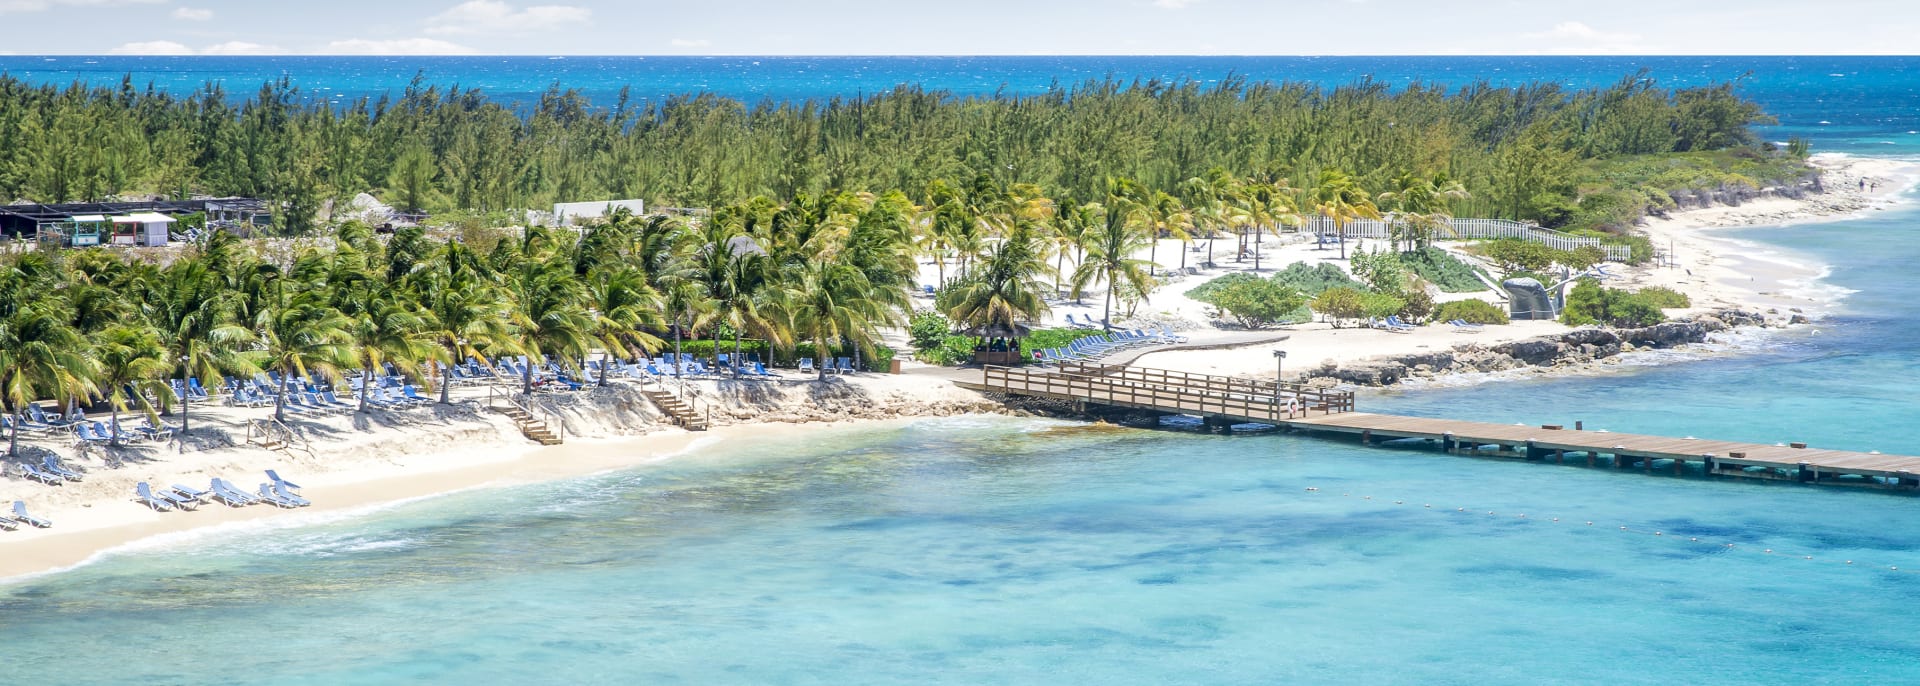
(908, 27)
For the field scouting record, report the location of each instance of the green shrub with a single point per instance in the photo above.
(1470, 311)
(1444, 270)
(928, 329)
(1416, 305)
(1315, 279)
(1664, 298)
(1257, 303)
(1340, 305)
(1204, 292)
(1591, 303)
(1514, 254)
(1381, 305)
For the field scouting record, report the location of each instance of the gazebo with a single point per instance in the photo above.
(999, 343)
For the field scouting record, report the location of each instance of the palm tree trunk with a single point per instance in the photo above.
(446, 389)
(1257, 236)
(186, 397)
(366, 377)
(1183, 255)
(736, 353)
(13, 438)
(1153, 251)
(1107, 319)
(526, 379)
(606, 365)
(280, 400)
(113, 420)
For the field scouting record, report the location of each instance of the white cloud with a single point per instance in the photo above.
(1174, 4)
(240, 47)
(1577, 38)
(153, 47)
(401, 46)
(495, 16)
(192, 14)
(7, 6)
(689, 42)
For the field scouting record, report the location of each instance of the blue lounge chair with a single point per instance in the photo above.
(806, 364)
(52, 466)
(156, 432)
(226, 492)
(275, 477)
(280, 489)
(761, 370)
(143, 494)
(86, 434)
(1463, 326)
(193, 385)
(267, 496)
(190, 492)
(410, 393)
(927, 290)
(20, 513)
(40, 475)
(844, 366)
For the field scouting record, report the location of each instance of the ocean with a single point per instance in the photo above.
(1846, 104)
(1003, 550)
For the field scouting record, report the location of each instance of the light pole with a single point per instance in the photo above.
(1279, 362)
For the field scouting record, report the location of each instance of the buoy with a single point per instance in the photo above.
(1769, 551)
(1366, 497)
(1428, 505)
(1809, 557)
(1396, 502)
(1556, 519)
(1849, 561)
(1589, 523)
(1311, 489)
(1695, 539)
(1459, 509)
(1656, 533)
(1623, 528)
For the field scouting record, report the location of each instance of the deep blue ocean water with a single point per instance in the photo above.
(1848, 104)
(996, 550)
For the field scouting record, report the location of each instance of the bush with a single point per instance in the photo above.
(1664, 298)
(1591, 303)
(928, 329)
(1514, 254)
(1340, 305)
(1444, 270)
(1313, 280)
(1416, 305)
(1381, 305)
(1470, 311)
(1257, 303)
(1204, 292)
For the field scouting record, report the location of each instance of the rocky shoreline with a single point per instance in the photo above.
(1583, 346)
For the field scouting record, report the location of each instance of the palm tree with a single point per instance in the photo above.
(466, 310)
(385, 327)
(1269, 204)
(735, 273)
(1422, 204)
(133, 365)
(550, 312)
(41, 356)
(1171, 219)
(1005, 291)
(623, 308)
(831, 302)
(1339, 198)
(192, 310)
(301, 334)
(1072, 229)
(1119, 236)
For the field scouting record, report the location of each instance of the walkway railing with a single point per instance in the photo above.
(1166, 391)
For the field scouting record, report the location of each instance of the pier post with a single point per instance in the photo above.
(1366, 437)
(1533, 453)
(1678, 464)
(1560, 456)
(1590, 455)
(1805, 473)
(1579, 425)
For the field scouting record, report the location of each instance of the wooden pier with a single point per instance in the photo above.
(1222, 401)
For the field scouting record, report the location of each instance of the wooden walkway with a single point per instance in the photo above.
(1222, 401)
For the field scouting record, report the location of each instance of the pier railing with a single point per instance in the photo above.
(1167, 391)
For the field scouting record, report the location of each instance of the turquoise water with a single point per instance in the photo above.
(994, 550)
(999, 550)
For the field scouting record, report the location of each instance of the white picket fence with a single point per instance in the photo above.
(1472, 228)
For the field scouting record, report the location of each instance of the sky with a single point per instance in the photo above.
(960, 27)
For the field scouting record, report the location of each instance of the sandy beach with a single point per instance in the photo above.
(356, 463)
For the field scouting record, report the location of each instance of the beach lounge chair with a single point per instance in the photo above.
(189, 492)
(20, 513)
(37, 474)
(267, 496)
(226, 492)
(275, 477)
(761, 370)
(806, 364)
(1463, 326)
(41, 417)
(8, 523)
(155, 432)
(280, 489)
(844, 366)
(411, 393)
(51, 465)
(87, 435)
(927, 290)
(143, 494)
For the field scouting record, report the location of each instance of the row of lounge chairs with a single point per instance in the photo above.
(275, 491)
(10, 521)
(841, 365)
(1394, 324)
(50, 472)
(1099, 345)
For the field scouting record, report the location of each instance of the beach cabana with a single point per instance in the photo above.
(142, 228)
(999, 343)
(85, 230)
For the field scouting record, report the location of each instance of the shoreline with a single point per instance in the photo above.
(360, 464)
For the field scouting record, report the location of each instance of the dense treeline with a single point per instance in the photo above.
(1520, 151)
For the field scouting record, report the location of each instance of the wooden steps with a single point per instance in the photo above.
(535, 430)
(682, 413)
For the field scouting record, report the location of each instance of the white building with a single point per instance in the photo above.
(575, 212)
